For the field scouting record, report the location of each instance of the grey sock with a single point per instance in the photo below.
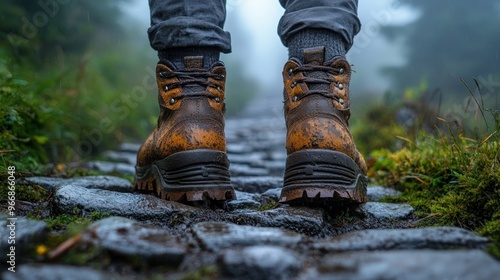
(176, 56)
(333, 42)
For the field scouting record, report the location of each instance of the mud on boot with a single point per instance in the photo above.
(323, 164)
(184, 159)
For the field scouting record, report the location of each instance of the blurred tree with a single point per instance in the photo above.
(41, 29)
(76, 78)
(451, 39)
(76, 74)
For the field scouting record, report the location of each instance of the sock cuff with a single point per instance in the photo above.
(176, 55)
(334, 43)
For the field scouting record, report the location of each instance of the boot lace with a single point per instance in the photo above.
(194, 81)
(318, 79)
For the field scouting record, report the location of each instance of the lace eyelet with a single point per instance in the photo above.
(172, 101)
(165, 88)
(290, 72)
(340, 86)
(341, 101)
(217, 99)
(295, 98)
(218, 88)
(341, 71)
(293, 84)
(162, 74)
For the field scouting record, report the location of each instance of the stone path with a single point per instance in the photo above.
(255, 237)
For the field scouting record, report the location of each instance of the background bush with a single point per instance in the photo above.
(77, 79)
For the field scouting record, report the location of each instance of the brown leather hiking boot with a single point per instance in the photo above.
(184, 159)
(323, 163)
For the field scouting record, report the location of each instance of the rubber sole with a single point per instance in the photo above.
(318, 176)
(190, 176)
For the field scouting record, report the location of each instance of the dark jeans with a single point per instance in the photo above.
(200, 23)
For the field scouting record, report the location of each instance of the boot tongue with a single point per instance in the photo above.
(316, 56)
(193, 62)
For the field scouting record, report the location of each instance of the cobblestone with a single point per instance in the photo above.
(252, 237)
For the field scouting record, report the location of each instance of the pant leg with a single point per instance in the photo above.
(340, 16)
(188, 23)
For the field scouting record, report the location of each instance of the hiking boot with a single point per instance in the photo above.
(323, 164)
(184, 159)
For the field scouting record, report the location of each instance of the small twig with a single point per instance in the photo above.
(427, 217)
(487, 138)
(65, 246)
(405, 139)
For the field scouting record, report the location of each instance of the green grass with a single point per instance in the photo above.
(449, 179)
(21, 138)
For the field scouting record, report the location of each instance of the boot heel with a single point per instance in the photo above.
(194, 175)
(319, 175)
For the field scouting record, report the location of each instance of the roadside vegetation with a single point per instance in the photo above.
(75, 81)
(447, 169)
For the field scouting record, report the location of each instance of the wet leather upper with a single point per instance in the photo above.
(315, 121)
(188, 120)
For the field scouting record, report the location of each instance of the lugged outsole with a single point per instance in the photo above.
(190, 176)
(319, 176)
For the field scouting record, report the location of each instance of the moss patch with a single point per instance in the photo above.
(31, 193)
(449, 180)
(203, 273)
(268, 206)
(73, 223)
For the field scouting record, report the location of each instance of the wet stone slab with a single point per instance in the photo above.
(51, 272)
(244, 201)
(110, 183)
(260, 263)
(129, 147)
(273, 194)
(309, 221)
(403, 239)
(254, 184)
(277, 155)
(248, 159)
(238, 148)
(276, 168)
(268, 145)
(109, 167)
(138, 206)
(216, 235)
(239, 169)
(131, 239)
(408, 264)
(25, 232)
(126, 157)
(386, 211)
(376, 193)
